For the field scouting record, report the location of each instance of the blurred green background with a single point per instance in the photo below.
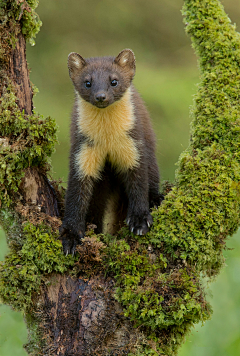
(167, 78)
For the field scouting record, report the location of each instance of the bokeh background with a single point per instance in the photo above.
(167, 77)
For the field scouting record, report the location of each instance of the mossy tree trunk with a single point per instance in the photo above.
(65, 315)
(124, 294)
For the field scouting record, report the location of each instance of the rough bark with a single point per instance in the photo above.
(19, 74)
(81, 317)
(38, 191)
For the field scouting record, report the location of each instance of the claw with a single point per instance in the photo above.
(140, 232)
(66, 253)
(148, 223)
(128, 221)
(132, 229)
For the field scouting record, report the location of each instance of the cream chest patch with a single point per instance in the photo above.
(107, 129)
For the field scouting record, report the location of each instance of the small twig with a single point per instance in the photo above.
(24, 6)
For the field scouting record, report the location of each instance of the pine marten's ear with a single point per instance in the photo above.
(126, 59)
(75, 63)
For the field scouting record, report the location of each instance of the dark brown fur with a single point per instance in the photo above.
(137, 189)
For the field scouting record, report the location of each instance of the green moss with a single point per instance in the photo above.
(163, 298)
(23, 11)
(24, 268)
(203, 208)
(36, 341)
(26, 142)
(9, 222)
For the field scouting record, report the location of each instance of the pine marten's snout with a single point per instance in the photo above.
(101, 99)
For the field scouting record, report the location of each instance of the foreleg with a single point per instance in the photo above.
(77, 201)
(138, 219)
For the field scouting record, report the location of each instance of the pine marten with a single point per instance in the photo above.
(112, 157)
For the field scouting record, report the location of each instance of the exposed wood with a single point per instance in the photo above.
(37, 190)
(19, 75)
(80, 317)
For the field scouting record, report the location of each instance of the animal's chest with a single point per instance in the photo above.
(107, 132)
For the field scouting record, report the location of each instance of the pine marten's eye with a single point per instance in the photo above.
(114, 83)
(88, 84)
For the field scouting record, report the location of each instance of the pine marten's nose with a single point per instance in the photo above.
(100, 97)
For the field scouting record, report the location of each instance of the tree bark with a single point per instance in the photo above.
(81, 317)
(18, 73)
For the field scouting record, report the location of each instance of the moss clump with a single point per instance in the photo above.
(23, 11)
(25, 266)
(203, 208)
(163, 298)
(25, 142)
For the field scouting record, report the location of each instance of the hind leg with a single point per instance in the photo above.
(155, 197)
(98, 204)
(116, 212)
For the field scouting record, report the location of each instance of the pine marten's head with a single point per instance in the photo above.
(103, 80)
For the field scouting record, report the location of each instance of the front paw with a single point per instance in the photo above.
(139, 224)
(70, 239)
